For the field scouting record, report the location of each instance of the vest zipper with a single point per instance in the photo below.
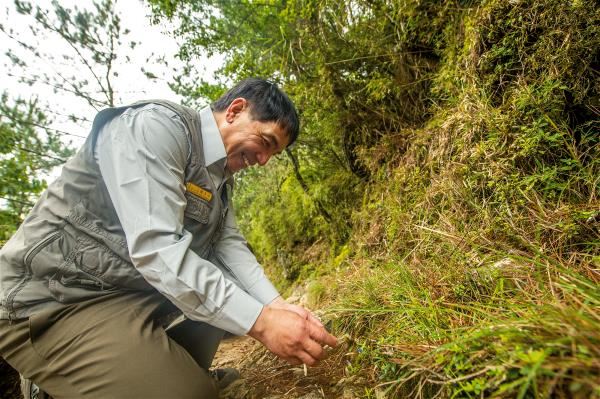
(38, 247)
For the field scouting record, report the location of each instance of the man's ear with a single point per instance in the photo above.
(235, 108)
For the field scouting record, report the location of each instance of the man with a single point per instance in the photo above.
(138, 228)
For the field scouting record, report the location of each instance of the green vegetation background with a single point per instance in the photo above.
(443, 200)
(442, 204)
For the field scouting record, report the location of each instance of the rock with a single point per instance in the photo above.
(346, 380)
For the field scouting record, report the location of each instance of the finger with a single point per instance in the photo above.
(293, 360)
(279, 301)
(313, 349)
(306, 358)
(322, 336)
(306, 314)
(300, 311)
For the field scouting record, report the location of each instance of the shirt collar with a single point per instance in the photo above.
(212, 143)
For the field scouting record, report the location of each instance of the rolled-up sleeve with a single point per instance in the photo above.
(142, 156)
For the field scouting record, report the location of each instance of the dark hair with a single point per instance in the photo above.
(267, 104)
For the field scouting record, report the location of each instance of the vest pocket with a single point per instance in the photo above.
(82, 279)
(94, 261)
(77, 266)
(41, 269)
(71, 284)
(53, 259)
(197, 208)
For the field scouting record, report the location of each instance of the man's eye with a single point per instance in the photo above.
(266, 142)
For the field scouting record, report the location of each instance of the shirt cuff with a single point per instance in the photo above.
(263, 291)
(238, 314)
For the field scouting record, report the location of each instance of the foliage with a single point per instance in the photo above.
(353, 89)
(450, 151)
(483, 236)
(496, 340)
(27, 153)
(83, 74)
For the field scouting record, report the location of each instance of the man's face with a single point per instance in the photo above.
(249, 142)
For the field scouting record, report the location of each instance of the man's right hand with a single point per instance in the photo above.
(290, 336)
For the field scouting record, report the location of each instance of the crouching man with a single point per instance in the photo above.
(138, 229)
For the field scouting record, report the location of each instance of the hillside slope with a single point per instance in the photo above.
(463, 260)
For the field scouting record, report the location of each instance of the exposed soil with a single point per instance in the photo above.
(263, 375)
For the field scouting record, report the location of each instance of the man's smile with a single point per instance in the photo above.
(246, 162)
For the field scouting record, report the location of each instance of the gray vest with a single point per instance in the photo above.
(72, 247)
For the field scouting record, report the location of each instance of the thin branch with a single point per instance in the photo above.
(25, 203)
(375, 56)
(109, 93)
(78, 118)
(91, 101)
(69, 40)
(42, 155)
(57, 87)
(57, 131)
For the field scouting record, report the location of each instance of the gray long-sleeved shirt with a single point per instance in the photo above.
(142, 156)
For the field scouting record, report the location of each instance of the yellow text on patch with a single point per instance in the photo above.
(199, 191)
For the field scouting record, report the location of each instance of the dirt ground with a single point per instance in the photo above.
(265, 376)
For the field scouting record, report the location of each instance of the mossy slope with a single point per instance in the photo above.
(474, 270)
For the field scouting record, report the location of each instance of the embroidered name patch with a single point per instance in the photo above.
(196, 208)
(199, 191)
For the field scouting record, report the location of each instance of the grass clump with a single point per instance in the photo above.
(519, 337)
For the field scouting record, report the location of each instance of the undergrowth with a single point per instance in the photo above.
(476, 266)
(472, 267)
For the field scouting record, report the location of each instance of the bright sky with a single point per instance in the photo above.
(130, 85)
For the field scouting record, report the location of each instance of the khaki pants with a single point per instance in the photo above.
(114, 346)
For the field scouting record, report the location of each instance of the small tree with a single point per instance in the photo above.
(88, 67)
(77, 53)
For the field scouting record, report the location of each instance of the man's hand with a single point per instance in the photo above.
(292, 333)
(281, 303)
